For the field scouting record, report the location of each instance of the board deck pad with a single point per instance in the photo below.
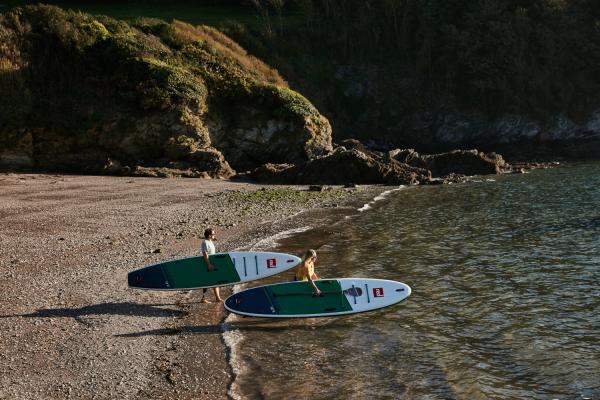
(228, 269)
(338, 297)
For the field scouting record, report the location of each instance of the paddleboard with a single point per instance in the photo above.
(338, 297)
(229, 269)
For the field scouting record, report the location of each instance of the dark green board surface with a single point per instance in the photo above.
(185, 273)
(291, 298)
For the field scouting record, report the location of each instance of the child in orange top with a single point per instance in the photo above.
(306, 270)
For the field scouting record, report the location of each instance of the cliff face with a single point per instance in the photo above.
(441, 74)
(374, 108)
(94, 94)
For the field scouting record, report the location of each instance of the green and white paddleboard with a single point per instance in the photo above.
(338, 297)
(229, 269)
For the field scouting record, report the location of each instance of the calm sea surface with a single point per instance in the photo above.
(505, 275)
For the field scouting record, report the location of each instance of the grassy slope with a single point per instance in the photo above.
(96, 87)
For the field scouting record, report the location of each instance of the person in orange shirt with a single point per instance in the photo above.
(306, 270)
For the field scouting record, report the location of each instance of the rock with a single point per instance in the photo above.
(410, 157)
(267, 172)
(318, 188)
(112, 166)
(353, 162)
(466, 163)
(353, 144)
(342, 166)
(463, 162)
(172, 377)
(14, 160)
(256, 136)
(212, 162)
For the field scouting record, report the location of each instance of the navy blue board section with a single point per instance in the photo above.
(151, 277)
(255, 301)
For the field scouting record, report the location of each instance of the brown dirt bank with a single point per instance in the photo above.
(70, 326)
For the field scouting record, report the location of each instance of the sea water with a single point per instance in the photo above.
(505, 273)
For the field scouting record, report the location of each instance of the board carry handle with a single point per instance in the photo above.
(273, 308)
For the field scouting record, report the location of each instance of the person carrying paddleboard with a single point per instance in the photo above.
(306, 270)
(207, 248)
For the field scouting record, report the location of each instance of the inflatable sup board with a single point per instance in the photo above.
(229, 269)
(338, 297)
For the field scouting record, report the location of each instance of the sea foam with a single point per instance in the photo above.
(232, 337)
(380, 197)
(272, 241)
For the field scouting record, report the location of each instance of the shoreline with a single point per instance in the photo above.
(234, 325)
(72, 327)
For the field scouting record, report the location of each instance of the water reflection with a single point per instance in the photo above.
(505, 304)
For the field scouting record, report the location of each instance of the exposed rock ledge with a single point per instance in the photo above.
(351, 162)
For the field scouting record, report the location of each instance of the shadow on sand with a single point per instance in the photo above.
(127, 308)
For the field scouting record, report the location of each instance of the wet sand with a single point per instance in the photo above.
(71, 328)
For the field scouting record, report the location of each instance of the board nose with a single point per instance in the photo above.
(135, 279)
(233, 301)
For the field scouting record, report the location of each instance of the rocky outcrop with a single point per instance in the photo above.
(15, 160)
(343, 166)
(250, 137)
(353, 162)
(92, 94)
(463, 162)
(374, 102)
(518, 137)
(19, 154)
(457, 128)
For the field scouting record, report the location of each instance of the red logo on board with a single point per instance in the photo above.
(378, 292)
(271, 263)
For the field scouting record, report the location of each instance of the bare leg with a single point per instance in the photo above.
(217, 294)
(204, 299)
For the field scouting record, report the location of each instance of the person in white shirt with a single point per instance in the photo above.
(207, 248)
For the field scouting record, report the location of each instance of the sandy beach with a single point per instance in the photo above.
(71, 328)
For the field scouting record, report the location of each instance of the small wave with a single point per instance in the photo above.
(365, 207)
(380, 197)
(271, 241)
(233, 339)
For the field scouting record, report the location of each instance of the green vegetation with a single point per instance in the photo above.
(368, 65)
(372, 67)
(266, 196)
(79, 89)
